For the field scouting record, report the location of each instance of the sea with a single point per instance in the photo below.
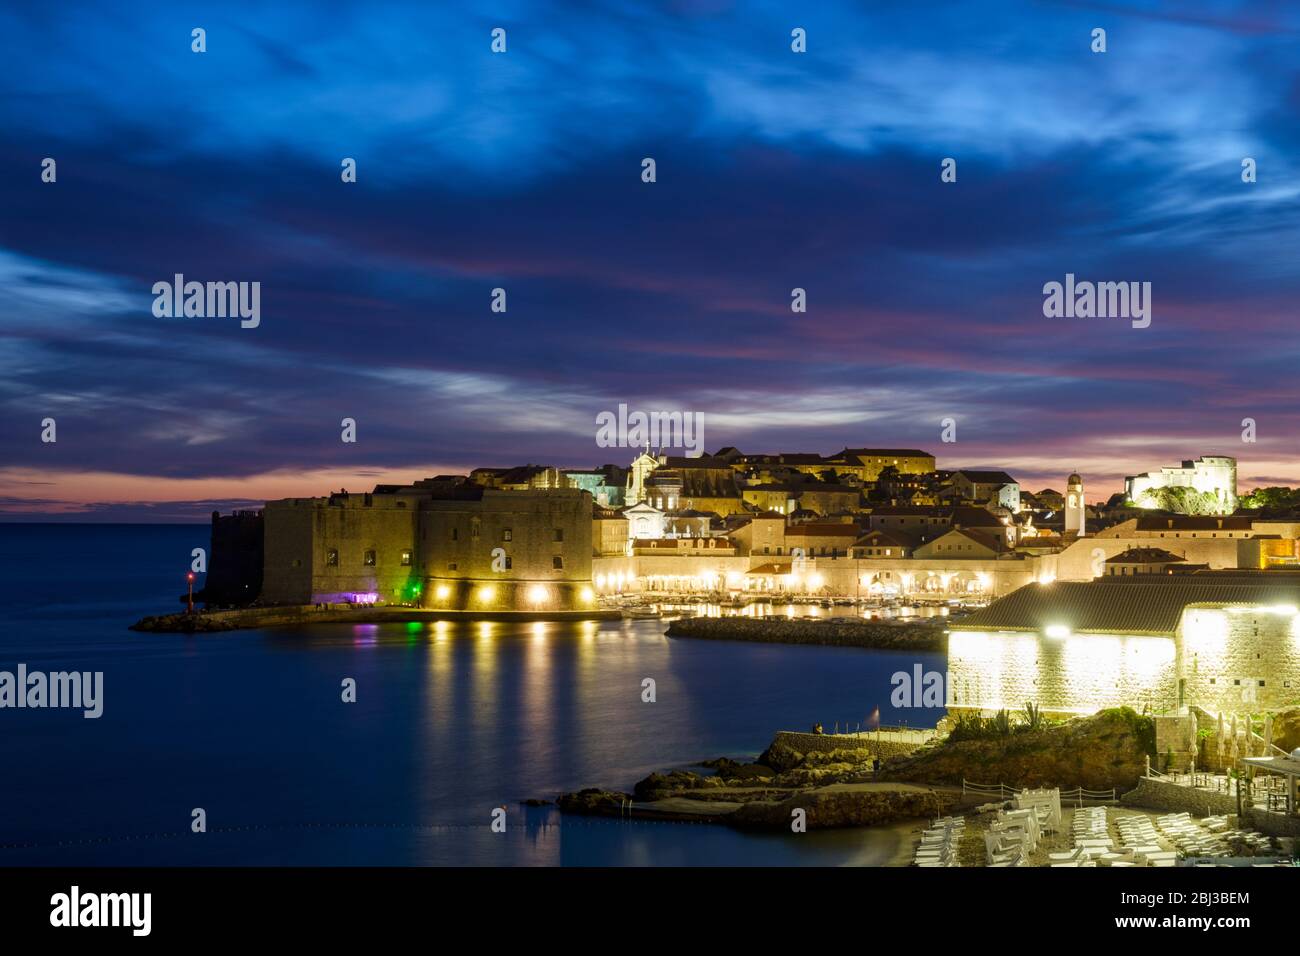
(454, 724)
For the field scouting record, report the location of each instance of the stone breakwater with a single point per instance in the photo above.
(921, 635)
(835, 788)
(204, 622)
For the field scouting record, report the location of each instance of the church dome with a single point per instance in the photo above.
(1074, 479)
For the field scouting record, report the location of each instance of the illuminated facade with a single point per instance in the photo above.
(1223, 643)
(1213, 478)
(464, 548)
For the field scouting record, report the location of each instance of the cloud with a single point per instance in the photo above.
(522, 171)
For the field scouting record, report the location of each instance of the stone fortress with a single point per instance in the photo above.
(861, 523)
(1214, 477)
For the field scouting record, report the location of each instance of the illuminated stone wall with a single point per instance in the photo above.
(287, 551)
(464, 546)
(344, 548)
(1214, 475)
(1078, 674)
(1240, 659)
(1085, 559)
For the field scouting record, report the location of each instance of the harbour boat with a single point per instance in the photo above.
(638, 613)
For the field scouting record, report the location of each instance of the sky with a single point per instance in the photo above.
(522, 171)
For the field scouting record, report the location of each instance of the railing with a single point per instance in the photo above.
(1081, 795)
(1001, 791)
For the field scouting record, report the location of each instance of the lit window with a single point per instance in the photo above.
(406, 559)
(332, 557)
(507, 535)
(369, 560)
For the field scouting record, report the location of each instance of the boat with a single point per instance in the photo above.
(638, 613)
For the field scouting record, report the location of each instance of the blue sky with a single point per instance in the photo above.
(522, 171)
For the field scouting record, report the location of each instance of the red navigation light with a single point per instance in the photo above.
(190, 576)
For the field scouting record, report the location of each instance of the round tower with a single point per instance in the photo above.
(1074, 513)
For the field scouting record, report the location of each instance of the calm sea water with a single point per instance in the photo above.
(451, 721)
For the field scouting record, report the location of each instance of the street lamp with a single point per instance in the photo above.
(189, 578)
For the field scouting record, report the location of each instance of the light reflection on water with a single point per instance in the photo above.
(450, 720)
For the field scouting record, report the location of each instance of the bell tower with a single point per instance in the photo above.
(1074, 508)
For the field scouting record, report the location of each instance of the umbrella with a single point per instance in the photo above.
(1232, 753)
(1268, 734)
(1219, 739)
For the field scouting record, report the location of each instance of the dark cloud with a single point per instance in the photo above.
(522, 172)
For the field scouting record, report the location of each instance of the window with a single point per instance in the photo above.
(507, 535)
(406, 559)
(369, 560)
(557, 563)
(451, 565)
(455, 534)
(332, 557)
(509, 563)
(474, 528)
(559, 534)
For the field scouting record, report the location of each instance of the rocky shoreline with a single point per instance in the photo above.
(836, 788)
(927, 634)
(845, 787)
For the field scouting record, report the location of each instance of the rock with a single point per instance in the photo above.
(660, 785)
(182, 624)
(594, 802)
(734, 770)
(1286, 728)
(536, 802)
(780, 757)
(1099, 752)
(843, 807)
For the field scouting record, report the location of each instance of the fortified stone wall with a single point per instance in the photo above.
(235, 557)
(287, 552)
(889, 743)
(1240, 660)
(1073, 675)
(364, 549)
(508, 550)
(1172, 798)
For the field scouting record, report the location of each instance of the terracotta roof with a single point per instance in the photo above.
(823, 530)
(986, 477)
(881, 537)
(1193, 523)
(884, 453)
(1144, 556)
(1118, 606)
(972, 517)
